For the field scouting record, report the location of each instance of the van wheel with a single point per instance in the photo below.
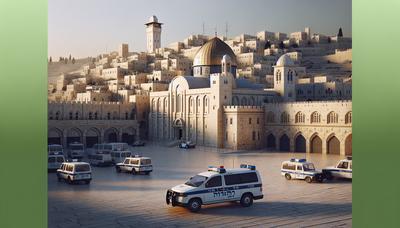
(308, 179)
(329, 176)
(194, 205)
(118, 169)
(133, 171)
(246, 200)
(70, 181)
(287, 176)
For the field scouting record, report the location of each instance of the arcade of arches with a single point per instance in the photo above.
(315, 144)
(91, 136)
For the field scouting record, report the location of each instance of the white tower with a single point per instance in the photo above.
(285, 78)
(153, 31)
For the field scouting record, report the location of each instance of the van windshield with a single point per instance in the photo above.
(82, 168)
(196, 181)
(308, 167)
(76, 147)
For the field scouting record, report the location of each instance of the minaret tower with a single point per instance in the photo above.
(153, 31)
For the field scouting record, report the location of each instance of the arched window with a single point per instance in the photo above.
(235, 100)
(96, 116)
(57, 115)
(178, 103)
(270, 117)
(198, 104)
(205, 104)
(244, 101)
(90, 115)
(348, 118)
(76, 115)
(108, 116)
(332, 117)
(190, 105)
(50, 115)
(285, 117)
(278, 75)
(71, 115)
(315, 117)
(300, 117)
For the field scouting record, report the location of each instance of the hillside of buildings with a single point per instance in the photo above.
(55, 69)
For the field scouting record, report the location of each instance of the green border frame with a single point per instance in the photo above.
(23, 112)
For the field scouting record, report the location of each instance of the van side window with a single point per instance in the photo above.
(241, 178)
(289, 166)
(214, 182)
(135, 162)
(126, 161)
(299, 167)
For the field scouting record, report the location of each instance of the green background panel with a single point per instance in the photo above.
(23, 105)
(23, 113)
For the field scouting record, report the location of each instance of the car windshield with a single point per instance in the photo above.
(55, 148)
(76, 147)
(82, 168)
(196, 181)
(308, 167)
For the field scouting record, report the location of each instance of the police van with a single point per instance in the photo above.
(218, 185)
(76, 150)
(134, 165)
(100, 159)
(344, 169)
(73, 172)
(300, 169)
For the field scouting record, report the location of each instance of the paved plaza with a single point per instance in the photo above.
(125, 200)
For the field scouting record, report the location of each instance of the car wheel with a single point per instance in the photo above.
(246, 200)
(70, 181)
(328, 175)
(288, 176)
(308, 179)
(186, 147)
(133, 171)
(194, 205)
(118, 169)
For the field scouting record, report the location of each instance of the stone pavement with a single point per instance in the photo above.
(124, 200)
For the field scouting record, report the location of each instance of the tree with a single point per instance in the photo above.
(50, 60)
(65, 60)
(281, 45)
(73, 60)
(340, 33)
(69, 57)
(267, 45)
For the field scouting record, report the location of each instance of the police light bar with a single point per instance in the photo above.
(298, 160)
(220, 169)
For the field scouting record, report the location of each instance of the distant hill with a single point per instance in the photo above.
(54, 69)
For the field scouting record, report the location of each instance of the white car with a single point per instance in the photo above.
(135, 165)
(343, 169)
(73, 172)
(218, 185)
(301, 169)
(54, 161)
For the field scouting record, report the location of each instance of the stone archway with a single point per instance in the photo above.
(54, 136)
(129, 135)
(74, 135)
(348, 145)
(111, 135)
(333, 145)
(316, 144)
(178, 125)
(271, 142)
(284, 143)
(92, 137)
(300, 144)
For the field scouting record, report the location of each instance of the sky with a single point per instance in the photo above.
(85, 28)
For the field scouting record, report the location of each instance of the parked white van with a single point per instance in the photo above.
(54, 161)
(218, 185)
(118, 151)
(76, 150)
(134, 165)
(73, 172)
(100, 159)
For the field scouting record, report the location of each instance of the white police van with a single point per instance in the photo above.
(134, 165)
(218, 185)
(301, 169)
(344, 169)
(100, 159)
(73, 172)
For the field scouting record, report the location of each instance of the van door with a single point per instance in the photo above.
(215, 191)
(299, 172)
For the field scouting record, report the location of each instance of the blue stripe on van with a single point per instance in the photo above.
(224, 189)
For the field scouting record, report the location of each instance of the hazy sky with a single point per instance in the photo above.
(90, 27)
